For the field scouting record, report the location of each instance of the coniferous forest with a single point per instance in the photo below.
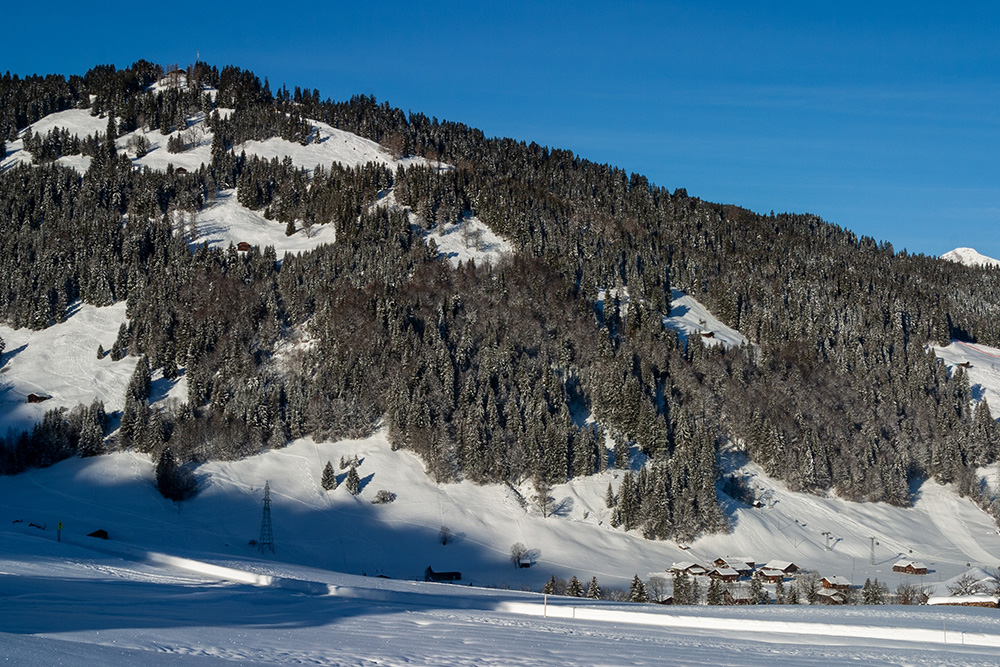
(485, 371)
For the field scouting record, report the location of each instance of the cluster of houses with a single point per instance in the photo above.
(734, 569)
(834, 589)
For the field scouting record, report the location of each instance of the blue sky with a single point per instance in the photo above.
(884, 120)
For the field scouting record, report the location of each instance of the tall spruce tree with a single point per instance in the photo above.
(329, 480)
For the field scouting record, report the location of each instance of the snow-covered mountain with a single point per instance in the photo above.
(969, 257)
(185, 582)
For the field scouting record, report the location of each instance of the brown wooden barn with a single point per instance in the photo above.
(909, 567)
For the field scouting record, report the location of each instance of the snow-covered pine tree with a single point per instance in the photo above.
(681, 587)
(575, 588)
(637, 591)
(757, 593)
(329, 480)
(594, 591)
(779, 592)
(353, 482)
(714, 596)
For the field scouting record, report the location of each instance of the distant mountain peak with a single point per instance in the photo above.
(970, 257)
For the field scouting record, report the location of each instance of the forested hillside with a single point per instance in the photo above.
(487, 372)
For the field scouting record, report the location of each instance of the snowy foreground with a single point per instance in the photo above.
(86, 602)
(185, 586)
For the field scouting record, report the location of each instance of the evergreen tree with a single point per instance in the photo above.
(550, 586)
(779, 592)
(329, 480)
(757, 593)
(575, 588)
(714, 592)
(637, 591)
(353, 482)
(873, 592)
(682, 588)
(174, 482)
(594, 591)
(609, 497)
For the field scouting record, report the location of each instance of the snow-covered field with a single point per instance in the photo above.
(155, 588)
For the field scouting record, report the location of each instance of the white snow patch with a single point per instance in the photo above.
(61, 362)
(688, 317)
(225, 221)
(983, 369)
(469, 239)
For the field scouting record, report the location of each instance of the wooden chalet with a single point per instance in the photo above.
(243, 246)
(745, 569)
(769, 575)
(688, 567)
(785, 566)
(724, 574)
(180, 170)
(909, 567)
(830, 596)
(836, 583)
(742, 565)
(37, 398)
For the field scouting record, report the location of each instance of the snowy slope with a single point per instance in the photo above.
(62, 362)
(332, 146)
(970, 257)
(183, 586)
(196, 617)
(225, 221)
(337, 531)
(983, 369)
(689, 317)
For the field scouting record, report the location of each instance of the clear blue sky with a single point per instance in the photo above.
(884, 119)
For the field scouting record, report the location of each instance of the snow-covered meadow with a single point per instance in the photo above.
(184, 586)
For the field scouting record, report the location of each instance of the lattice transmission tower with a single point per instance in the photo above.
(266, 541)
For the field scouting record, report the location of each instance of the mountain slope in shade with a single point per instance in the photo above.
(970, 257)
